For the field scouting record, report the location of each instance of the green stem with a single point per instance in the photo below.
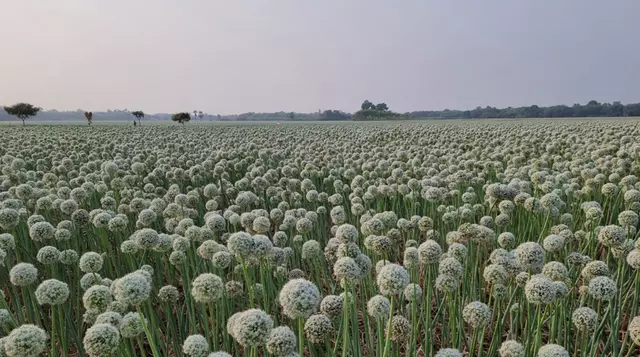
(388, 338)
(154, 349)
(53, 332)
(345, 320)
(246, 278)
(214, 329)
(301, 336)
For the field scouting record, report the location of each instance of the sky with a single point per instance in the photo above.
(306, 55)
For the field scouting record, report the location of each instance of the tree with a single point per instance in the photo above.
(181, 117)
(200, 114)
(382, 107)
(366, 105)
(22, 110)
(292, 115)
(89, 117)
(533, 111)
(617, 109)
(632, 110)
(139, 114)
(593, 109)
(334, 115)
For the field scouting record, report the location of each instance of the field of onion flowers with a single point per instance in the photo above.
(509, 239)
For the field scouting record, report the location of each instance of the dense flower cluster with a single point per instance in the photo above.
(196, 241)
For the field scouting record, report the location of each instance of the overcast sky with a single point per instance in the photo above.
(303, 55)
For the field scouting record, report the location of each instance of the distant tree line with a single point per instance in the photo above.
(334, 115)
(368, 111)
(591, 109)
(109, 115)
(275, 116)
(81, 115)
(126, 115)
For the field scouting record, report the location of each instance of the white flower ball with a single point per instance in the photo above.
(511, 348)
(26, 340)
(634, 330)
(207, 288)
(413, 292)
(530, 256)
(378, 307)
(101, 340)
(332, 306)
(602, 288)
(23, 274)
(584, 319)
(252, 327)
(299, 298)
(612, 236)
(429, 252)
(540, 290)
(392, 279)
(346, 268)
(281, 341)
(552, 350)
(195, 346)
(553, 243)
(132, 289)
(317, 327)
(52, 292)
(477, 314)
(91, 262)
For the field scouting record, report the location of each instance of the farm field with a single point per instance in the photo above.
(509, 238)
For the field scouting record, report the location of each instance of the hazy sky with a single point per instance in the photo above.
(303, 55)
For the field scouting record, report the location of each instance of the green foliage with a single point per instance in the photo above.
(138, 114)
(591, 109)
(22, 111)
(366, 105)
(380, 111)
(374, 114)
(334, 115)
(181, 118)
(382, 107)
(279, 116)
